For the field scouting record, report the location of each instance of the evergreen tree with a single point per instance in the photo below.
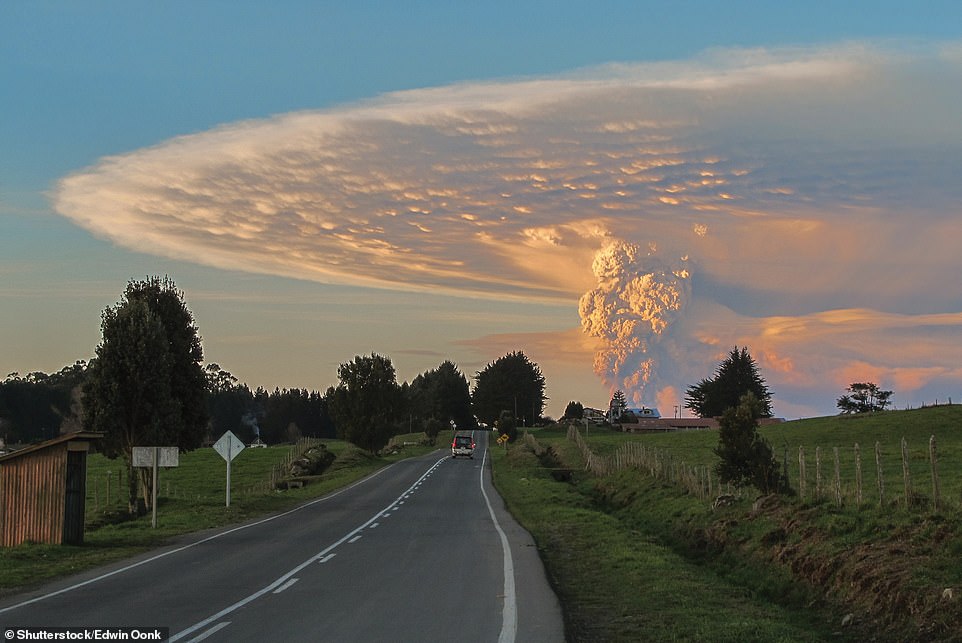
(145, 387)
(746, 458)
(617, 405)
(510, 383)
(736, 375)
(441, 394)
(367, 402)
(574, 411)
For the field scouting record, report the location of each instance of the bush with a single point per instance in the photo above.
(433, 428)
(746, 458)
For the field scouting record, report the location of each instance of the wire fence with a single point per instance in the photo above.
(655, 462)
(868, 479)
(834, 476)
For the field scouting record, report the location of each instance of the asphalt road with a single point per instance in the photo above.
(423, 550)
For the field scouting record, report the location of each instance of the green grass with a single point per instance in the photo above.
(916, 426)
(804, 564)
(191, 497)
(620, 582)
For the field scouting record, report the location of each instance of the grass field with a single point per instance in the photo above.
(191, 497)
(635, 558)
(621, 582)
(915, 426)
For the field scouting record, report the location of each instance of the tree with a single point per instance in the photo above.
(441, 394)
(38, 406)
(507, 425)
(865, 397)
(617, 406)
(746, 458)
(735, 376)
(574, 411)
(188, 381)
(145, 387)
(229, 403)
(510, 383)
(367, 401)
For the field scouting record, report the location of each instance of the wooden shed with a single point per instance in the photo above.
(43, 491)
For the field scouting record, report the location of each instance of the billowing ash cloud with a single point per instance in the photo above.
(800, 184)
(637, 299)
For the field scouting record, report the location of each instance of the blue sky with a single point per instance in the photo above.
(282, 306)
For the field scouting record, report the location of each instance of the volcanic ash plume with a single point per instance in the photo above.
(638, 297)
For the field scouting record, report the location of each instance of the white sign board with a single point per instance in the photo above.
(166, 456)
(154, 458)
(228, 446)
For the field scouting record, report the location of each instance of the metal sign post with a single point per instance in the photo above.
(228, 446)
(154, 457)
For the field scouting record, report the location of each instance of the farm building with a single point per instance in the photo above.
(43, 491)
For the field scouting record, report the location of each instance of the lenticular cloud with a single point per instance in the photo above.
(793, 182)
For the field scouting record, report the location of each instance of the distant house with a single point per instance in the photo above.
(618, 415)
(594, 416)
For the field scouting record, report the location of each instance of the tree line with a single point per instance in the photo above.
(147, 385)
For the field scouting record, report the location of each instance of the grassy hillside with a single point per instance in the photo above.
(888, 429)
(885, 571)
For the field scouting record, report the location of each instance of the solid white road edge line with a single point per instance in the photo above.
(509, 614)
(269, 588)
(286, 585)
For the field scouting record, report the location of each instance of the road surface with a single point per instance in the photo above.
(423, 550)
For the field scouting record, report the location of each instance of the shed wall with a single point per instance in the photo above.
(32, 497)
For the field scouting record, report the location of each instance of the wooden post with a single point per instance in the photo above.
(878, 473)
(801, 472)
(838, 480)
(936, 488)
(818, 474)
(858, 477)
(906, 474)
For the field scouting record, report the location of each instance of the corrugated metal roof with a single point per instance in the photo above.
(66, 437)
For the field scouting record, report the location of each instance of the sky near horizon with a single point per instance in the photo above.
(624, 191)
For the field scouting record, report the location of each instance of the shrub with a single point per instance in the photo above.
(746, 457)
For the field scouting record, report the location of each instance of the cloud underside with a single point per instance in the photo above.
(773, 188)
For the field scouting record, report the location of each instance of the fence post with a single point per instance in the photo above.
(906, 474)
(878, 473)
(858, 477)
(801, 473)
(838, 480)
(936, 490)
(818, 474)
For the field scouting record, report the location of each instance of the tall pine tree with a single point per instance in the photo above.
(734, 377)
